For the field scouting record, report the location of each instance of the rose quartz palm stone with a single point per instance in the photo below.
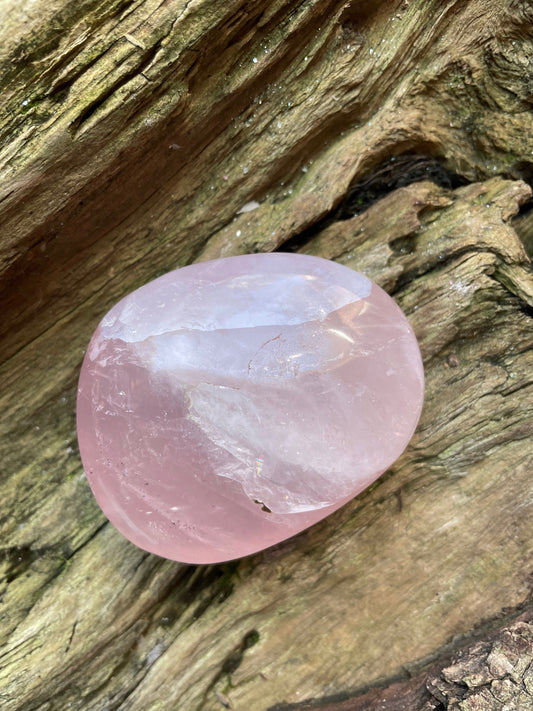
(230, 404)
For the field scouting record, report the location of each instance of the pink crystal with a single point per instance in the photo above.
(230, 404)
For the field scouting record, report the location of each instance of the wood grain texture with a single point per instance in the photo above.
(491, 675)
(394, 137)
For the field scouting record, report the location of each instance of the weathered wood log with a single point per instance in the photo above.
(490, 675)
(394, 137)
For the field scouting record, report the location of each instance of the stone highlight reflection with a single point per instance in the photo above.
(230, 404)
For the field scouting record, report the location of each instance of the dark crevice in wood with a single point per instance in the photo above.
(523, 224)
(392, 173)
(522, 170)
(526, 309)
(526, 208)
(18, 560)
(397, 172)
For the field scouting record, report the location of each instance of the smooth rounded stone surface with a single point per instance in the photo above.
(230, 404)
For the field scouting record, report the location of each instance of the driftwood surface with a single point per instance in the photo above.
(394, 137)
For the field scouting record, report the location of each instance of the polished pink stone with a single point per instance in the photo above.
(230, 404)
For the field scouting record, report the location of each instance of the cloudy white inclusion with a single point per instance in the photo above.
(239, 302)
